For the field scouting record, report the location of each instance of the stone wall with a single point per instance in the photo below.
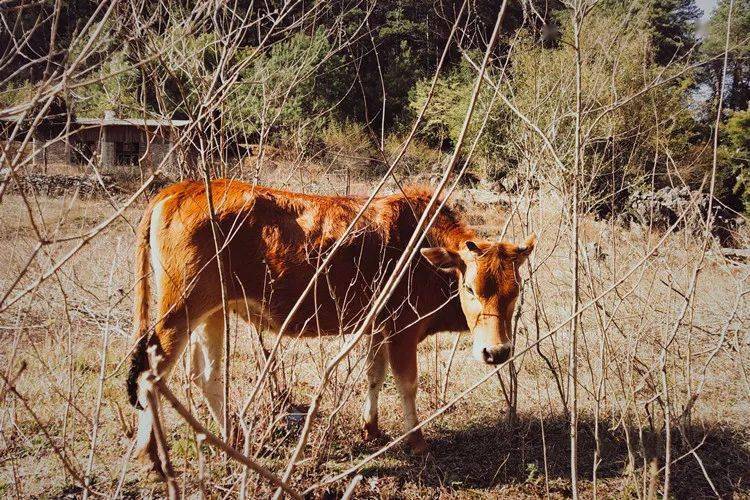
(63, 185)
(82, 185)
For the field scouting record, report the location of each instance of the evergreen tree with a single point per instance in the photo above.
(673, 24)
(737, 79)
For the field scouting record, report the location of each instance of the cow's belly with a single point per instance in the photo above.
(322, 312)
(325, 310)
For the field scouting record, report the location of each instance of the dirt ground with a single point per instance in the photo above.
(67, 406)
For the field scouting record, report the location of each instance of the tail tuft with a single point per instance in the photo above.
(138, 364)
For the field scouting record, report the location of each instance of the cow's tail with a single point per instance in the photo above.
(139, 358)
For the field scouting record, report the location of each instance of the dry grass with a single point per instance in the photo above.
(58, 332)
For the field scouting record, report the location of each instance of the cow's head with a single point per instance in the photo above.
(489, 284)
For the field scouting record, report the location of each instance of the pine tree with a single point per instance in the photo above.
(673, 24)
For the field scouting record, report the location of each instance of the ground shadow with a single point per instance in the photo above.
(490, 456)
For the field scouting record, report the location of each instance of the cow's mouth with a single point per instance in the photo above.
(495, 355)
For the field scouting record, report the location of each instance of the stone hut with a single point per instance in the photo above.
(110, 142)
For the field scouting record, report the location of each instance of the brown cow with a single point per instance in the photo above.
(272, 242)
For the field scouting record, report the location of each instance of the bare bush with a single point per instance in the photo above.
(629, 370)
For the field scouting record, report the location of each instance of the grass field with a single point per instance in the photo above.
(648, 349)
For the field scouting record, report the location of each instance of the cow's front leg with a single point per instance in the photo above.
(403, 360)
(376, 368)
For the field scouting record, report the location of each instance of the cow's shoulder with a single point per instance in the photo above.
(407, 206)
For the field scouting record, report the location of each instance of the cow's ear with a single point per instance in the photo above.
(442, 258)
(525, 250)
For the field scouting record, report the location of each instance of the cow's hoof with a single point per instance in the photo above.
(417, 444)
(370, 432)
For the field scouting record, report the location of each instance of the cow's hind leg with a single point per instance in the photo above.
(402, 354)
(207, 354)
(376, 371)
(169, 340)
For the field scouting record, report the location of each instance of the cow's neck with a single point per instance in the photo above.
(450, 317)
(451, 233)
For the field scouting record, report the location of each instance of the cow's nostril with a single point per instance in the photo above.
(487, 355)
(495, 355)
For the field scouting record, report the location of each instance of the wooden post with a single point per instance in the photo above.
(107, 146)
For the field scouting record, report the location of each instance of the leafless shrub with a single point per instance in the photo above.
(629, 373)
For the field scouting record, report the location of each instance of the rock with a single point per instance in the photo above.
(487, 197)
(594, 251)
(738, 254)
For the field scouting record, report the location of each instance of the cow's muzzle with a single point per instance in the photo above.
(496, 354)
